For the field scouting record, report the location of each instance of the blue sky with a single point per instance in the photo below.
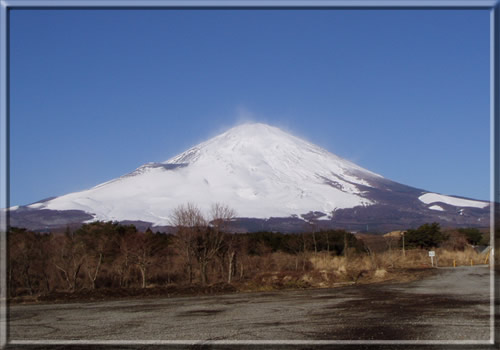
(96, 93)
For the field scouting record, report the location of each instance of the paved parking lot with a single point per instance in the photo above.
(452, 305)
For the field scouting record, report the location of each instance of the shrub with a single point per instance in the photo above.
(426, 236)
(473, 235)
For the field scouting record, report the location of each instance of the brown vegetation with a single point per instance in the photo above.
(101, 260)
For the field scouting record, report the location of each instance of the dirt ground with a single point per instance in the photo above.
(453, 306)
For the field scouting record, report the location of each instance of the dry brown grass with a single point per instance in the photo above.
(413, 258)
(321, 269)
(466, 257)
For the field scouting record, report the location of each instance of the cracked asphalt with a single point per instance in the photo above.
(452, 305)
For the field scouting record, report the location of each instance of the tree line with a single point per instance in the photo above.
(112, 255)
(200, 251)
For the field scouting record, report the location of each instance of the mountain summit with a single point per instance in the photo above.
(262, 172)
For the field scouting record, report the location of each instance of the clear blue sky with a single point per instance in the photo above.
(96, 93)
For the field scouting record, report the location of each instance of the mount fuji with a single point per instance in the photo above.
(273, 180)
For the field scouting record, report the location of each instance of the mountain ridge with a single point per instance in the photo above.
(262, 172)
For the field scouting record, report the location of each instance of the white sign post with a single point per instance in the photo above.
(432, 254)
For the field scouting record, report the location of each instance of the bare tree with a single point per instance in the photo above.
(124, 258)
(313, 230)
(209, 240)
(220, 216)
(231, 247)
(201, 238)
(70, 259)
(123, 245)
(144, 253)
(392, 239)
(97, 238)
(188, 221)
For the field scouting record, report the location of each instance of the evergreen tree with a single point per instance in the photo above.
(426, 236)
(473, 235)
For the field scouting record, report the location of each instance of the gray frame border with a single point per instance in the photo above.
(492, 5)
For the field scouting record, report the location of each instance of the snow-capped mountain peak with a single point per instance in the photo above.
(257, 143)
(256, 169)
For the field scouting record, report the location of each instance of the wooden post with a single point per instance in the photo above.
(454, 263)
(487, 256)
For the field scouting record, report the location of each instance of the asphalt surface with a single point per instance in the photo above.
(452, 305)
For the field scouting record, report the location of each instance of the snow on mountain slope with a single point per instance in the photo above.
(429, 198)
(436, 207)
(258, 170)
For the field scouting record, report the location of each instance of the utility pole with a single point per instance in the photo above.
(345, 245)
(403, 234)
